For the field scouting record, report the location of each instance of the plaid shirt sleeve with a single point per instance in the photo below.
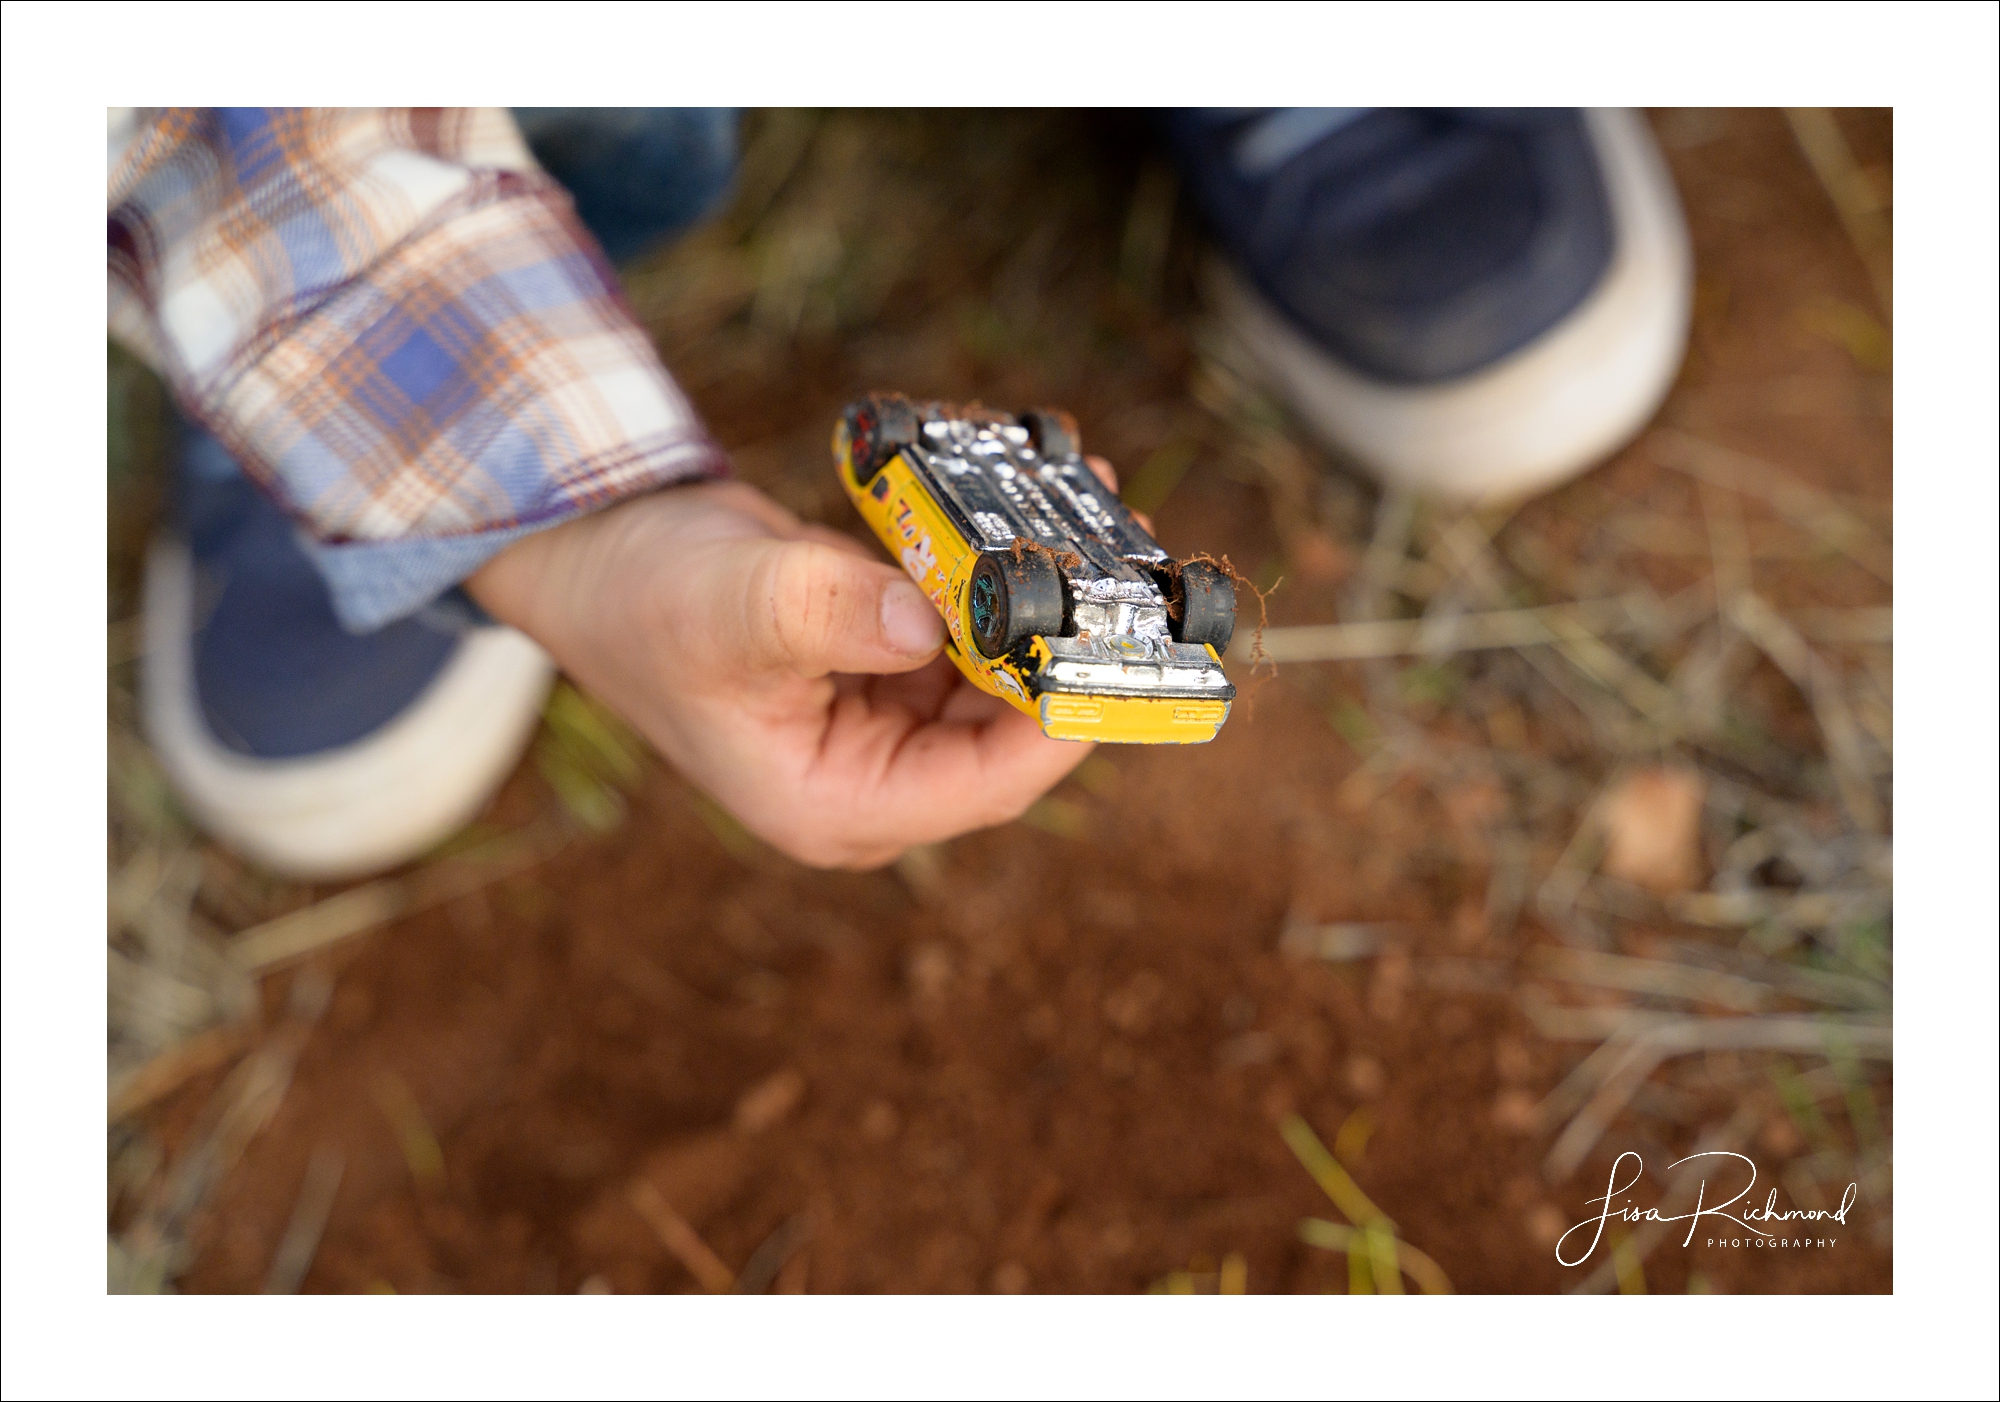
(398, 327)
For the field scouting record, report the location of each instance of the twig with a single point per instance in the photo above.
(1640, 1042)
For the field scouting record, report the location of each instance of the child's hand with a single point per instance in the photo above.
(779, 666)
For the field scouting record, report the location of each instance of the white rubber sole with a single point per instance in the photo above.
(1540, 415)
(366, 806)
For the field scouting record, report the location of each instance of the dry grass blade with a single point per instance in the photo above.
(1834, 990)
(1866, 625)
(1475, 559)
(1811, 910)
(589, 757)
(1333, 1236)
(1678, 1033)
(278, 942)
(682, 1240)
(1149, 226)
(1556, 897)
(1576, 1089)
(1728, 540)
(1805, 507)
(1819, 683)
(1377, 1231)
(300, 1243)
(1625, 1073)
(176, 1066)
(137, 883)
(1394, 516)
(419, 1143)
(234, 1116)
(1655, 977)
(1441, 636)
(1854, 195)
(1327, 1172)
(1630, 683)
(770, 1258)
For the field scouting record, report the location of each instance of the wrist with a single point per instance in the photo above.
(566, 585)
(507, 585)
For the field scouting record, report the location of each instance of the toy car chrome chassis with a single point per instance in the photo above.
(1054, 596)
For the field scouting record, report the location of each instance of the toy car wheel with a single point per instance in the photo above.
(1052, 432)
(1206, 606)
(1011, 600)
(878, 428)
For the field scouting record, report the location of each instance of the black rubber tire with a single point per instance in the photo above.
(878, 428)
(1052, 432)
(1205, 600)
(1011, 600)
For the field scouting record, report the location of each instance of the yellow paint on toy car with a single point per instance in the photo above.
(899, 508)
(1142, 720)
(905, 518)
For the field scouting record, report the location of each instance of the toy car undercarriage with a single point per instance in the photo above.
(1055, 596)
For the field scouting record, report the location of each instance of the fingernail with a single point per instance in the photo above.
(909, 622)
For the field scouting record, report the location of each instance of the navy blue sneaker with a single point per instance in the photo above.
(1474, 305)
(639, 175)
(319, 753)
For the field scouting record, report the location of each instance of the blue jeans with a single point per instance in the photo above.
(638, 174)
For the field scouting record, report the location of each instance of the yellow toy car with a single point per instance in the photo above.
(1054, 596)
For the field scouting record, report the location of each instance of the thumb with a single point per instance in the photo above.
(810, 608)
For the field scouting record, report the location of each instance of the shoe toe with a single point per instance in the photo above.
(319, 753)
(1591, 372)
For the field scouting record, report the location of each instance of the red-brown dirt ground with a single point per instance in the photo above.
(1052, 1056)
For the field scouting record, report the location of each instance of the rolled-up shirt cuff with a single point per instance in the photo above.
(376, 582)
